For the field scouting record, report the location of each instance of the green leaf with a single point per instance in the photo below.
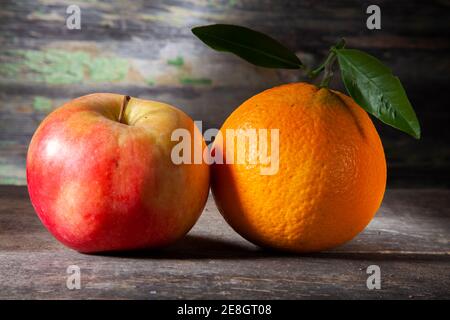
(252, 46)
(373, 86)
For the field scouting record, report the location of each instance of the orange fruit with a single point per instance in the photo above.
(331, 173)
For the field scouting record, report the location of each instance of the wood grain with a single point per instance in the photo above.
(145, 49)
(409, 239)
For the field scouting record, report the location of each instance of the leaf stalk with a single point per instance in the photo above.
(327, 66)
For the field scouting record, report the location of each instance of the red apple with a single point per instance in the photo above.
(100, 184)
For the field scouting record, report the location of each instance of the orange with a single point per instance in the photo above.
(331, 173)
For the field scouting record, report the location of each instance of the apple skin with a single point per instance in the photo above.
(101, 185)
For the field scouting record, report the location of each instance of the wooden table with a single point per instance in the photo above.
(408, 240)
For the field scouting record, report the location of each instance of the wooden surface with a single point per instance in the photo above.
(146, 49)
(409, 240)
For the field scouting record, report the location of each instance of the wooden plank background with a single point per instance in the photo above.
(146, 49)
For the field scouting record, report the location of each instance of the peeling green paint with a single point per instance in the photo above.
(108, 69)
(63, 67)
(7, 143)
(177, 62)
(56, 66)
(150, 81)
(42, 104)
(221, 4)
(11, 181)
(12, 174)
(195, 81)
(9, 69)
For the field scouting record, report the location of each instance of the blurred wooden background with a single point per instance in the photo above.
(146, 49)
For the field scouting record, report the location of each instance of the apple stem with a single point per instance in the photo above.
(125, 101)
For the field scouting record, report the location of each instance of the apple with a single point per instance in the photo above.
(101, 178)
